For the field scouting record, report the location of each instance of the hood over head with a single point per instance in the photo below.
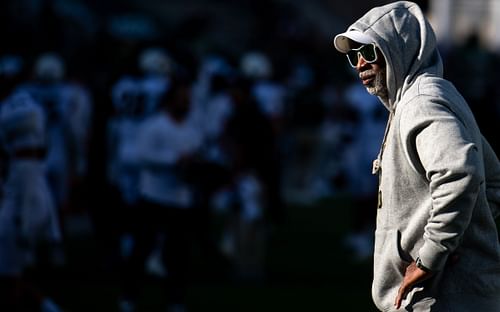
(406, 39)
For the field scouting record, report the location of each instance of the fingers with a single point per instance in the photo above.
(412, 276)
(404, 288)
(402, 293)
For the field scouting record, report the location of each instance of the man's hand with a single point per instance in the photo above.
(413, 275)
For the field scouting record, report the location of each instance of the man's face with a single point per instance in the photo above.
(373, 74)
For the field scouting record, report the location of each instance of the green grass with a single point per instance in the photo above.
(307, 270)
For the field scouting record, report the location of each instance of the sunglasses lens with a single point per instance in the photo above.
(352, 56)
(368, 53)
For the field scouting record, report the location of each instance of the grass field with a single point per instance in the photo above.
(307, 270)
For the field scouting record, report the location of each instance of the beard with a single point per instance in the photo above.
(378, 86)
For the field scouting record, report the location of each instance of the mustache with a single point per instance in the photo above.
(367, 73)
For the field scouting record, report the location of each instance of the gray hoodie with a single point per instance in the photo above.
(439, 178)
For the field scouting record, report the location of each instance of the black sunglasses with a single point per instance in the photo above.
(367, 51)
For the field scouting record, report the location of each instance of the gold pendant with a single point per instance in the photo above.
(376, 166)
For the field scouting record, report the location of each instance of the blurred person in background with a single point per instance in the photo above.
(436, 241)
(134, 98)
(12, 73)
(68, 107)
(156, 68)
(29, 224)
(112, 223)
(213, 107)
(269, 96)
(250, 142)
(168, 142)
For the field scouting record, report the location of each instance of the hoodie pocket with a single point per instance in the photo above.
(390, 262)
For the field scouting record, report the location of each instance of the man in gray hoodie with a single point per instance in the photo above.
(436, 242)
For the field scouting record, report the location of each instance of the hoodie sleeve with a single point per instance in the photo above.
(450, 162)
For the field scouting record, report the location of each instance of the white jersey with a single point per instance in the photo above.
(27, 211)
(77, 111)
(22, 122)
(27, 214)
(123, 165)
(134, 98)
(162, 143)
(139, 96)
(68, 109)
(213, 117)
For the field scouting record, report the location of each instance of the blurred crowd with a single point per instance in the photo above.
(162, 145)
